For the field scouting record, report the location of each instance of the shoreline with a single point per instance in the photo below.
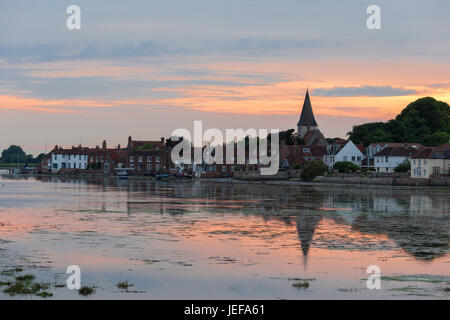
(294, 183)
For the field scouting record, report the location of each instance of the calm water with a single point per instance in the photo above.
(185, 240)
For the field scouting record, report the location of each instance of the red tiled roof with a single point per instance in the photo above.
(397, 152)
(425, 153)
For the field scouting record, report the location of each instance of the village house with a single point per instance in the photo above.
(148, 157)
(79, 159)
(291, 155)
(65, 160)
(390, 157)
(343, 150)
(376, 147)
(431, 162)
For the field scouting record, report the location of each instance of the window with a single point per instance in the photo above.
(353, 158)
(158, 159)
(140, 159)
(305, 150)
(132, 165)
(436, 171)
(158, 167)
(149, 167)
(131, 159)
(358, 158)
(224, 168)
(149, 159)
(387, 159)
(232, 168)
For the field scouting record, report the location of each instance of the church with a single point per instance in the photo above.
(307, 127)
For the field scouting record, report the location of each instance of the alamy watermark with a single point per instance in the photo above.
(374, 20)
(208, 148)
(73, 22)
(374, 280)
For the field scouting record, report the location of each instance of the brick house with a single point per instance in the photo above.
(148, 157)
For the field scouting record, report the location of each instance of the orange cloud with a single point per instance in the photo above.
(11, 102)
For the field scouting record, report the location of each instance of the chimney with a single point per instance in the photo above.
(129, 139)
(118, 146)
(162, 139)
(104, 144)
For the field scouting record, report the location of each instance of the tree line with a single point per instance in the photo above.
(15, 154)
(425, 121)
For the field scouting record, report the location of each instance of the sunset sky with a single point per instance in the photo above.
(145, 68)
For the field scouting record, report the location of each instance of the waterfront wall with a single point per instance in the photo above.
(256, 176)
(396, 180)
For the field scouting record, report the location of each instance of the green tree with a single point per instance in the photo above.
(436, 139)
(425, 120)
(313, 169)
(345, 166)
(297, 166)
(13, 154)
(405, 166)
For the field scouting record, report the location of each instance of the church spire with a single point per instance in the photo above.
(307, 115)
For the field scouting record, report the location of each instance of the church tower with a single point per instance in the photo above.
(307, 121)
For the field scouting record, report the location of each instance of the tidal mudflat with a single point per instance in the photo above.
(138, 239)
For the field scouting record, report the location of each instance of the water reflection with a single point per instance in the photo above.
(416, 220)
(198, 239)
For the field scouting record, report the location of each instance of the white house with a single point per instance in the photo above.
(389, 158)
(342, 150)
(431, 162)
(75, 158)
(376, 147)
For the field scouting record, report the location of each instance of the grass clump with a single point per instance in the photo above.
(27, 278)
(86, 291)
(124, 285)
(25, 285)
(45, 294)
(11, 272)
(301, 285)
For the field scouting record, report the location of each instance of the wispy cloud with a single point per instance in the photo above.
(364, 91)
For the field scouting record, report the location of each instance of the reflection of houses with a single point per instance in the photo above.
(433, 162)
(429, 204)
